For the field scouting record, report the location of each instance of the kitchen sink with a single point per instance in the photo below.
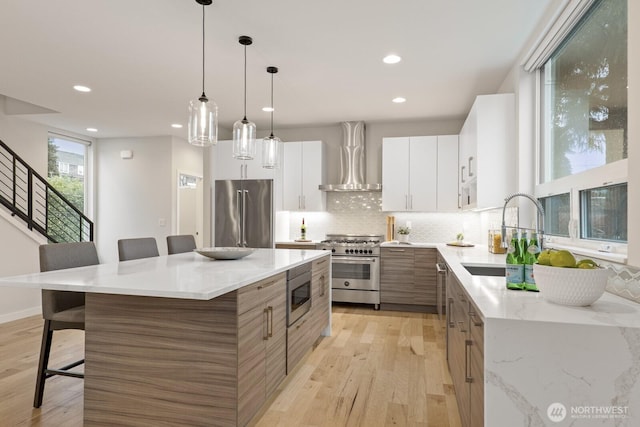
(484, 270)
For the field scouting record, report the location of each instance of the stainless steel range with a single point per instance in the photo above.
(355, 265)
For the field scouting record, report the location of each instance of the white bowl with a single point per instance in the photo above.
(571, 286)
(225, 253)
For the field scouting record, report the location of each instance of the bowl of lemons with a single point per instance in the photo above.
(564, 280)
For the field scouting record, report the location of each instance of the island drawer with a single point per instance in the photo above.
(254, 295)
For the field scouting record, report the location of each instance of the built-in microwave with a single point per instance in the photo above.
(298, 292)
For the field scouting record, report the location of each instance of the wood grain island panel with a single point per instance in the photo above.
(170, 362)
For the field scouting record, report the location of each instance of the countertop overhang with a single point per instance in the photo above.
(188, 275)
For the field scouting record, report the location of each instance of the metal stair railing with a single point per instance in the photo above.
(27, 195)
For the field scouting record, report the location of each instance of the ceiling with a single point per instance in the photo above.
(143, 59)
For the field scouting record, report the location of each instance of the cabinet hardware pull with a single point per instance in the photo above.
(470, 159)
(461, 323)
(475, 320)
(303, 322)
(322, 287)
(321, 262)
(467, 365)
(260, 287)
(396, 250)
(462, 168)
(452, 322)
(270, 322)
(266, 329)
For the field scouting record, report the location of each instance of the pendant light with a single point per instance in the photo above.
(244, 131)
(203, 112)
(271, 144)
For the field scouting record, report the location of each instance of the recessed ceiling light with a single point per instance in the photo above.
(391, 59)
(176, 126)
(81, 88)
(92, 130)
(399, 100)
(268, 109)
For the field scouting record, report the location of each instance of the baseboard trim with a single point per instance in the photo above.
(410, 308)
(21, 314)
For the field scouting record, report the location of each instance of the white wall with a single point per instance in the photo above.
(134, 196)
(18, 246)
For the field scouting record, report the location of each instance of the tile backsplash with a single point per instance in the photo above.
(361, 213)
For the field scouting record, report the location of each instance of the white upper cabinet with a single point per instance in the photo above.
(302, 173)
(487, 169)
(448, 173)
(226, 167)
(409, 174)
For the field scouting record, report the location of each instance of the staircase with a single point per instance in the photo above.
(28, 196)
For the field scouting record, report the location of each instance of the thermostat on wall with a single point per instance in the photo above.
(126, 154)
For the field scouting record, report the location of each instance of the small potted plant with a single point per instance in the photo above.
(459, 238)
(403, 234)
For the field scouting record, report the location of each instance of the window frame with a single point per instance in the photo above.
(605, 175)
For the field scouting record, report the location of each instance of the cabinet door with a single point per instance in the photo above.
(303, 172)
(276, 343)
(251, 363)
(457, 348)
(425, 276)
(395, 174)
(397, 276)
(312, 175)
(320, 304)
(476, 370)
(291, 173)
(447, 173)
(423, 173)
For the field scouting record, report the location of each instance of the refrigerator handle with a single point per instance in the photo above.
(244, 216)
(239, 207)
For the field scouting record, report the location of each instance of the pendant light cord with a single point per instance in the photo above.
(203, 38)
(271, 105)
(245, 82)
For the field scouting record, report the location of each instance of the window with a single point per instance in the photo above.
(67, 157)
(604, 213)
(557, 214)
(585, 95)
(584, 129)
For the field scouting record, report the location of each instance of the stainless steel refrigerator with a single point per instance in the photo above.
(244, 213)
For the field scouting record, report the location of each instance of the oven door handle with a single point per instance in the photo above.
(352, 260)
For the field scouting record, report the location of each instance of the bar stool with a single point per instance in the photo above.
(180, 243)
(61, 309)
(143, 247)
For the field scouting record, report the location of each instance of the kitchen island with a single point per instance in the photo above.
(186, 340)
(541, 363)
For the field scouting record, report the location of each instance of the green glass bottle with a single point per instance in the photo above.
(514, 268)
(530, 258)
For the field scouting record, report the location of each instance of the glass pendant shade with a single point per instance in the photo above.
(271, 152)
(244, 140)
(203, 112)
(203, 122)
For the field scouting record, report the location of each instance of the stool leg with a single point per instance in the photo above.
(45, 349)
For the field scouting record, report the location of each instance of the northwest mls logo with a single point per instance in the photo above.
(556, 412)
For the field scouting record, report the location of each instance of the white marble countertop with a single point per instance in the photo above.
(495, 301)
(187, 275)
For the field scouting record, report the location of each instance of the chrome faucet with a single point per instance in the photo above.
(539, 218)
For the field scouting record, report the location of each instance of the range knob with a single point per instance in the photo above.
(333, 249)
(370, 251)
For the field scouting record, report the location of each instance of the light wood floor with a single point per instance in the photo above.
(379, 368)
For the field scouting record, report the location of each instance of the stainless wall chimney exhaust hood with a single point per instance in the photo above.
(352, 161)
